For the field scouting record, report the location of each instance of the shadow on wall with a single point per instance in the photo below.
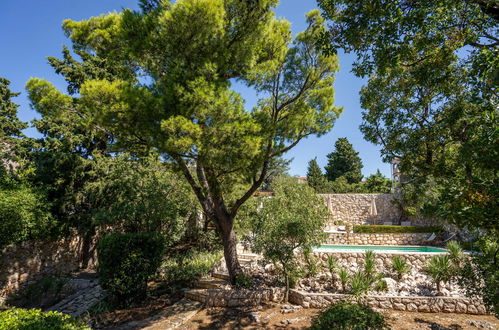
(367, 209)
(25, 263)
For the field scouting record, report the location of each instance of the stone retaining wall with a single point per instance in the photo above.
(378, 239)
(353, 260)
(354, 209)
(27, 262)
(237, 298)
(411, 304)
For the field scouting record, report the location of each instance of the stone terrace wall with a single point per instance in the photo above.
(377, 239)
(27, 262)
(354, 208)
(411, 304)
(352, 260)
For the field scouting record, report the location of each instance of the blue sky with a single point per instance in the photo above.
(31, 31)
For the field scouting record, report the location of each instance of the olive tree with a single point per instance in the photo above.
(292, 219)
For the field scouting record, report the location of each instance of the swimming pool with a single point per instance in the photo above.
(381, 248)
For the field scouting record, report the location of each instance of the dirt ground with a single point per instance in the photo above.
(270, 317)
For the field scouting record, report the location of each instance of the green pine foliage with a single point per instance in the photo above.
(344, 161)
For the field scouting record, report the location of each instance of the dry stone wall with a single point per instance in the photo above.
(411, 304)
(27, 262)
(355, 209)
(383, 261)
(378, 239)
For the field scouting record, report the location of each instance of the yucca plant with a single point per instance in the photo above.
(400, 266)
(360, 284)
(455, 252)
(344, 278)
(369, 264)
(440, 269)
(332, 265)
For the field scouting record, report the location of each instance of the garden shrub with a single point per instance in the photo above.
(35, 319)
(24, 212)
(344, 316)
(385, 229)
(186, 267)
(243, 281)
(126, 262)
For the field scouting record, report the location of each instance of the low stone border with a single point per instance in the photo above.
(244, 297)
(400, 303)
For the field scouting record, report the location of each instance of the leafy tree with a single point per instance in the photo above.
(377, 183)
(186, 54)
(344, 161)
(315, 177)
(139, 196)
(277, 168)
(296, 215)
(431, 99)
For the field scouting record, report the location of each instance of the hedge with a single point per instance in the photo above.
(35, 319)
(385, 229)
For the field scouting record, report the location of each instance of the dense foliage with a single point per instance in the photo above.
(479, 274)
(344, 161)
(344, 316)
(24, 211)
(126, 262)
(381, 229)
(184, 267)
(35, 319)
(431, 99)
(293, 218)
(139, 196)
(10, 125)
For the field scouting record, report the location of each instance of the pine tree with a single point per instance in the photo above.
(344, 161)
(315, 177)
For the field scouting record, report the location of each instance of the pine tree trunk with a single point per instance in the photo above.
(230, 252)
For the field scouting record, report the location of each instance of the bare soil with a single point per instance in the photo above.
(239, 318)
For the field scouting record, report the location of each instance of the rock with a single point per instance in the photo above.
(269, 267)
(255, 316)
(412, 308)
(390, 283)
(296, 319)
(481, 324)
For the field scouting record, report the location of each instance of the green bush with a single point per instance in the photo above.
(24, 212)
(345, 316)
(383, 229)
(187, 267)
(126, 262)
(244, 281)
(35, 319)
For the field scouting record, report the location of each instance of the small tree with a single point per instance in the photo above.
(440, 269)
(400, 266)
(377, 183)
(292, 219)
(344, 161)
(315, 177)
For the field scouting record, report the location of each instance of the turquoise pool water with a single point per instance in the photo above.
(391, 248)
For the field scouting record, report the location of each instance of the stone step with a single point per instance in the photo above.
(196, 295)
(222, 276)
(211, 283)
(245, 261)
(251, 256)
